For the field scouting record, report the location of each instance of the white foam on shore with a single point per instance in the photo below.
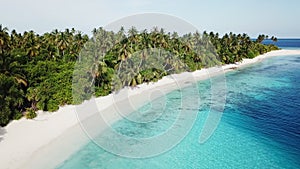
(51, 138)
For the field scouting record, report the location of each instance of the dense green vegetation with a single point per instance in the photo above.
(36, 70)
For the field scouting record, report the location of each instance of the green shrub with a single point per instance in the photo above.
(30, 114)
(52, 105)
(4, 116)
(251, 54)
(17, 116)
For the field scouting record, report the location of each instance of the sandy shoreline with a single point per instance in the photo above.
(31, 143)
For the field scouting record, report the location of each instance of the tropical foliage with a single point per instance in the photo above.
(36, 71)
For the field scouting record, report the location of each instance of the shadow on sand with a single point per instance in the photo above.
(2, 132)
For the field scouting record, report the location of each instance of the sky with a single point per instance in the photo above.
(273, 17)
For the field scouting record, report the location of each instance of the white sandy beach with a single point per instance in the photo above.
(51, 138)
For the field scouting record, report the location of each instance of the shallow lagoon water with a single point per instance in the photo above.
(260, 126)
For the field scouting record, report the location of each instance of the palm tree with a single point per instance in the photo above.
(11, 99)
(62, 43)
(260, 38)
(274, 39)
(174, 35)
(4, 39)
(31, 44)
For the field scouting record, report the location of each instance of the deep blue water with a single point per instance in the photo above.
(285, 43)
(260, 126)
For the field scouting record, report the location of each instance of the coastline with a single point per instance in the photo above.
(30, 143)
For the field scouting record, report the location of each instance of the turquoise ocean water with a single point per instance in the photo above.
(260, 126)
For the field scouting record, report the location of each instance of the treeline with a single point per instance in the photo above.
(36, 71)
